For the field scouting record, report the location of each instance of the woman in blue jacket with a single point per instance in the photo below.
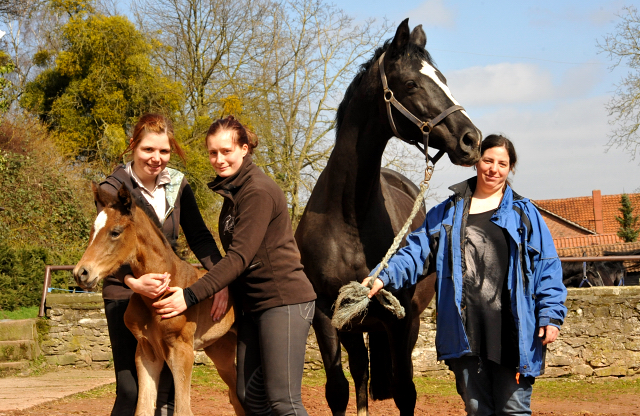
(499, 292)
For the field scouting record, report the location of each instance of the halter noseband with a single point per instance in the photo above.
(424, 126)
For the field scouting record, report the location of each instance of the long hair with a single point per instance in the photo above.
(154, 123)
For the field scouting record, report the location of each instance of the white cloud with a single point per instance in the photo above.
(521, 83)
(501, 84)
(561, 151)
(434, 13)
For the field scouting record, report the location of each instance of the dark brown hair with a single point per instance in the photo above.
(497, 140)
(239, 133)
(154, 123)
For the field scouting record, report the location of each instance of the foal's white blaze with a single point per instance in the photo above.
(101, 220)
(430, 71)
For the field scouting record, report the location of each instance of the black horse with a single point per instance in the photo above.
(357, 207)
(594, 273)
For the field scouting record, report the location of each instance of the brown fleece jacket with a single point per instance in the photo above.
(256, 234)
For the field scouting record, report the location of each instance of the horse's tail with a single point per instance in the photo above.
(381, 369)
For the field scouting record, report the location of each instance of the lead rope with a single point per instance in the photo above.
(352, 301)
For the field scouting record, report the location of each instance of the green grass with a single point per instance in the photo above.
(433, 388)
(21, 313)
(568, 388)
(564, 388)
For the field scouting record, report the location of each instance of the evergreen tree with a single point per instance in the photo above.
(628, 229)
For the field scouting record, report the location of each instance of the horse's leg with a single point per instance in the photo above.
(337, 387)
(223, 354)
(180, 360)
(359, 367)
(148, 366)
(404, 334)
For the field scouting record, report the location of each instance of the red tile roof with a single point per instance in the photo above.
(587, 240)
(580, 210)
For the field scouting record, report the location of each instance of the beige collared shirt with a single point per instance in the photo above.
(156, 196)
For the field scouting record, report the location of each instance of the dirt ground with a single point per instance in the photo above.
(212, 401)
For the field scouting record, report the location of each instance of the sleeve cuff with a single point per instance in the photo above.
(189, 298)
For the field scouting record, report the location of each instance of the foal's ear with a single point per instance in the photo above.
(418, 37)
(401, 38)
(125, 200)
(100, 196)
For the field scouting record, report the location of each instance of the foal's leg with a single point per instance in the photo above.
(148, 366)
(223, 354)
(180, 361)
(337, 387)
(359, 367)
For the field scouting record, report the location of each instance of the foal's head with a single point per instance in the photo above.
(114, 237)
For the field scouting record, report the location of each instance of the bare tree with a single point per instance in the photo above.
(623, 48)
(206, 45)
(309, 53)
(11, 8)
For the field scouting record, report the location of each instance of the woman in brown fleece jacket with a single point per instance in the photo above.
(262, 265)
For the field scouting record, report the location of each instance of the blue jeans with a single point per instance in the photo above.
(489, 389)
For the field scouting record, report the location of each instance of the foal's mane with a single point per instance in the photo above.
(410, 49)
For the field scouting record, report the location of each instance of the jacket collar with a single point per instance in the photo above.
(228, 186)
(502, 217)
(466, 188)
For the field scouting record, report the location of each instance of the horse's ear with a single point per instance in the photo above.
(418, 37)
(125, 199)
(100, 196)
(401, 38)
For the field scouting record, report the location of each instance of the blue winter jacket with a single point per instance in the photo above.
(534, 279)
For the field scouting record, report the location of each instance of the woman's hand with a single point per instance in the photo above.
(220, 301)
(172, 305)
(548, 334)
(377, 285)
(150, 285)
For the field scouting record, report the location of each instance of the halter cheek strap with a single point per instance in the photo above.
(424, 126)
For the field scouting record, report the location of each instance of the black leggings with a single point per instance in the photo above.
(123, 346)
(271, 350)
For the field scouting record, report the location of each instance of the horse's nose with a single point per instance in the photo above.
(470, 143)
(81, 274)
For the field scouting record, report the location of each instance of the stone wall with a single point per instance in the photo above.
(600, 337)
(78, 332)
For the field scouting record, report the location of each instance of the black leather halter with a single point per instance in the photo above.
(424, 126)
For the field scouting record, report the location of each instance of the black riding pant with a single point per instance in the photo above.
(123, 346)
(271, 351)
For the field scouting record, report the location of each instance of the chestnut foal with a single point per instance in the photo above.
(124, 234)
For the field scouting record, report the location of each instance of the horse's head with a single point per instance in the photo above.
(422, 89)
(113, 238)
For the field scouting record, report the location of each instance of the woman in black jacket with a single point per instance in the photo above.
(262, 264)
(165, 195)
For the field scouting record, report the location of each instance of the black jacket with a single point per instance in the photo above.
(256, 234)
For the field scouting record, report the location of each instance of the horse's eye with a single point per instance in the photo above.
(411, 85)
(115, 234)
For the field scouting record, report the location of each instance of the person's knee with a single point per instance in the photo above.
(127, 393)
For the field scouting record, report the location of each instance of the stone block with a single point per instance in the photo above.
(582, 369)
(202, 358)
(611, 371)
(65, 359)
(552, 372)
(558, 360)
(98, 355)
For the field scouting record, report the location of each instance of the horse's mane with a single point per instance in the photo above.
(411, 49)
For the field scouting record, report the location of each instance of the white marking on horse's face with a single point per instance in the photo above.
(101, 220)
(430, 71)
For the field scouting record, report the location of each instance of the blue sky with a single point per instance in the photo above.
(529, 70)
